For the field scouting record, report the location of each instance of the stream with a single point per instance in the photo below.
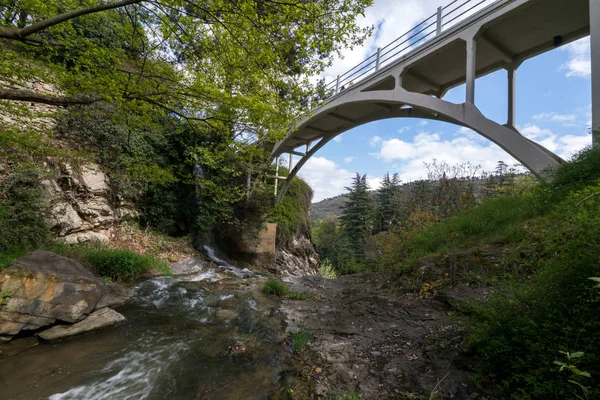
(210, 335)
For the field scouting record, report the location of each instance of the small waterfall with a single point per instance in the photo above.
(212, 254)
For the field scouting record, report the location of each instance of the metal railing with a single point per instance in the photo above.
(431, 27)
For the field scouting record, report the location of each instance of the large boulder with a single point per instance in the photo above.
(44, 287)
(101, 319)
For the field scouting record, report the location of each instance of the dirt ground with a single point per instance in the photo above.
(370, 342)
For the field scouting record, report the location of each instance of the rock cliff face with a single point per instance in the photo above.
(298, 258)
(81, 206)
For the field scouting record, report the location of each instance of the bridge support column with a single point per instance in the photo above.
(595, 56)
(512, 74)
(471, 65)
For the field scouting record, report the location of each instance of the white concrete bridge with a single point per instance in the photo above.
(409, 77)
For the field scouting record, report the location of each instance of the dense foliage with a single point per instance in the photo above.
(23, 210)
(291, 214)
(166, 95)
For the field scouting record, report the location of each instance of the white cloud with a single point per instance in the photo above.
(579, 62)
(555, 117)
(425, 147)
(571, 144)
(348, 160)
(534, 132)
(374, 140)
(403, 129)
(423, 123)
(325, 177)
(338, 138)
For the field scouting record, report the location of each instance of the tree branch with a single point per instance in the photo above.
(35, 97)
(21, 33)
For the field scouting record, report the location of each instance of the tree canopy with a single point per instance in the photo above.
(238, 67)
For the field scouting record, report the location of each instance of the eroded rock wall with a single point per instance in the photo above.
(298, 258)
(82, 208)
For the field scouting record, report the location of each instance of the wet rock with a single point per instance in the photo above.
(45, 287)
(101, 319)
(188, 266)
(115, 296)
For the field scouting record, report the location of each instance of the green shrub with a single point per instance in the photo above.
(121, 265)
(583, 170)
(276, 287)
(7, 256)
(517, 334)
(23, 211)
(300, 339)
(327, 271)
(493, 218)
(291, 215)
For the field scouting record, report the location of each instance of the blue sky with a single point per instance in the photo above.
(553, 108)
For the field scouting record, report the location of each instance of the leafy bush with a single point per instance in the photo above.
(23, 211)
(276, 287)
(7, 256)
(121, 265)
(517, 334)
(327, 271)
(494, 218)
(291, 215)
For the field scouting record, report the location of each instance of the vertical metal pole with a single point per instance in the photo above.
(438, 29)
(291, 160)
(337, 85)
(512, 72)
(595, 56)
(276, 174)
(378, 62)
(471, 66)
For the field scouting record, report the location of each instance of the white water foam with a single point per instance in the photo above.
(210, 276)
(225, 296)
(132, 376)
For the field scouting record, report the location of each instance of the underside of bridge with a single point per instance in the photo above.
(501, 36)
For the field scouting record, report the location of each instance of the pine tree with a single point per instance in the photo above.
(389, 202)
(357, 213)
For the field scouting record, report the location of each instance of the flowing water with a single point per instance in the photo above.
(211, 335)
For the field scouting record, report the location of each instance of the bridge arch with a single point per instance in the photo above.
(400, 103)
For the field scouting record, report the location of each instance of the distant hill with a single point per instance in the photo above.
(330, 206)
(334, 205)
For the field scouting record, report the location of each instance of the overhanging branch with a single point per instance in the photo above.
(22, 33)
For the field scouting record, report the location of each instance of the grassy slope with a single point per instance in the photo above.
(538, 250)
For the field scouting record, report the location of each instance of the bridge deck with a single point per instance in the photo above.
(511, 31)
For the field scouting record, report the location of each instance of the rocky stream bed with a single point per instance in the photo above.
(209, 332)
